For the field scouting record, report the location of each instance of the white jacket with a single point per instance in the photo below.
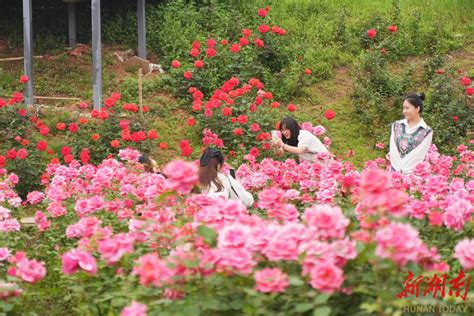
(232, 190)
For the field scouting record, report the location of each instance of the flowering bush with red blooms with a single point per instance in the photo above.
(33, 139)
(449, 110)
(238, 114)
(321, 236)
(212, 61)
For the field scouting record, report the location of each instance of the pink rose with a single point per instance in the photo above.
(182, 176)
(31, 271)
(271, 280)
(326, 277)
(134, 309)
(464, 252)
(75, 259)
(374, 181)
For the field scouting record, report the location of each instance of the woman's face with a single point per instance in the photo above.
(286, 132)
(409, 111)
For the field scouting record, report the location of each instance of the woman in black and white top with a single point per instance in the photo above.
(215, 183)
(299, 142)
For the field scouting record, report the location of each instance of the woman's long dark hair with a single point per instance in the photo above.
(209, 165)
(146, 162)
(294, 128)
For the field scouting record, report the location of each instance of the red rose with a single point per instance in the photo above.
(234, 48)
(191, 121)
(83, 120)
(329, 114)
(163, 145)
(42, 145)
(22, 153)
(440, 71)
(455, 118)
(465, 81)
(224, 42)
(2, 103)
(2, 161)
(263, 28)
(258, 42)
(274, 105)
(123, 124)
(392, 28)
(238, 132)
(254, 127)
(199, 64)
(24, 79)
(371, 33)
(243, 41)
(469, 91)
(383, 51)
(242, 119)
(73, 127)
(291, 107)
(44, 130)
(262, 12)
(196, 44)
(227, 111)
(175, 64)
(84, 156)
(83, 105)
(211, 42)
(95, 137)
(254, 152)
(25, 142)
(61, 126)
(194, 52)
(68, 158)
(66, 150)
(188, 75)
(211, 52)
(152, 134)
(11, 154)
(115, 143)
(22, 112)
(246, 32)
(109, 102)
(307, 71)
(185, 152)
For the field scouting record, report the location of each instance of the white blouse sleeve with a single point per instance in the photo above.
(311, 142)
(417, 155)
(243, 195)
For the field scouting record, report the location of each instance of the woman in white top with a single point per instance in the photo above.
(410, 138)
(215, 183)
(298, 141)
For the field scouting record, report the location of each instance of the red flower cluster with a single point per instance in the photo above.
(329, 114)
(185, 147)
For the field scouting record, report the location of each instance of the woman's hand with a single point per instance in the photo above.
(277, 143)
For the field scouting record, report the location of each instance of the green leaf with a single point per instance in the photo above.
(296, 281)
(190, 263)
(321, 299)
(209, 235)
(303, 307)
(119, 302)
(322, 311)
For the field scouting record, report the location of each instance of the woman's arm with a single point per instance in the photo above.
(294, 150)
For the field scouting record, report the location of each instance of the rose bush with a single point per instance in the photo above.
(314, 235)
